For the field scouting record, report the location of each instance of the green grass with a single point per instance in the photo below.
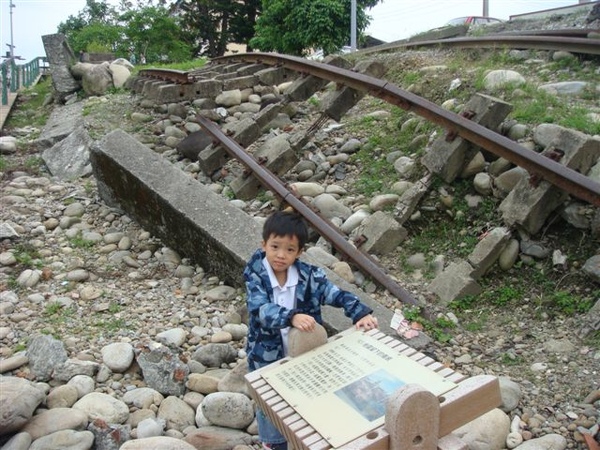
(30, 110)
(183, 66)
(79, 242)
(111, 325)
(28, 256)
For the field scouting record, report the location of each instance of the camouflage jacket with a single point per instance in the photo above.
(266, 318)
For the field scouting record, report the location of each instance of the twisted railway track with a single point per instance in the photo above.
(571, 181)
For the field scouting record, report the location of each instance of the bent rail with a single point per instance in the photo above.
(567, 179)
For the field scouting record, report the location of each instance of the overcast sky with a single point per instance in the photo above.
(392, 19)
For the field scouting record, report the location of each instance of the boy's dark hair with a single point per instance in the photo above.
(286, 223)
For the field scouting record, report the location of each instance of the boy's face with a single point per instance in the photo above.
(281, 251)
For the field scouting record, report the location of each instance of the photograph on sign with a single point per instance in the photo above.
(341, 388)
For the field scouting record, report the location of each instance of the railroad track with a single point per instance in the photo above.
(540, 41)
(564, 178)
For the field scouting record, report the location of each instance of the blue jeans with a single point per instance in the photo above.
(267, 432)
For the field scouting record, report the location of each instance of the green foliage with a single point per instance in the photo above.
(325, 24)
(80, 242)
(569, 303)
(511, 359)
(150, 31)
(464, 303)
(438, 328)
(52, 308)
(3, 164)
(27, 256)
(20, 347)
(111, 324)
(504, 295)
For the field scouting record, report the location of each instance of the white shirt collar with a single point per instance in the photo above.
(292, 276)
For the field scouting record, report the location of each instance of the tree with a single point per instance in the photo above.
(152, 32)
(96, 24)
(145, 30)
(244, 21)
(296, 26)
(208, 22)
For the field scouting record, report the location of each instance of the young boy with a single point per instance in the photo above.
(284, 292)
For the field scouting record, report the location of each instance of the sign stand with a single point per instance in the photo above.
(415, 418)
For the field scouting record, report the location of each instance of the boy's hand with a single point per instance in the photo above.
(303, 322)
(367, 323)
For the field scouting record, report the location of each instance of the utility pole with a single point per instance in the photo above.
(11, 5)
(353, 25)
(486, 8)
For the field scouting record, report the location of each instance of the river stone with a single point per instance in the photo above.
(65, 440)
(486, 432)
(213, 355)
(174, 336)
(83, 383)
(63, 396)
(330, 207)
(228, 409)
(102, 406)
(150, 427)
(53, 420)
(234, 380)
(118, 356)
(202, 383)
(547, 442)
(20, 441)
(217, 438)
(176, 413)
(19, 398)
(498, 78)
(143, 397)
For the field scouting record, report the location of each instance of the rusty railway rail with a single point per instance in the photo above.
(548, 41)
(569, 180)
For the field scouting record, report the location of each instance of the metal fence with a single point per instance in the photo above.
(14, 76)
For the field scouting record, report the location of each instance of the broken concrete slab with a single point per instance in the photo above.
(408, 202)
(381, 233)
(337, 103)
(244, 132)
(60, 58)
(455, 282)
(533, 200)
(302, 88)
(62, 122)
(69, 158)
(449, 155)
(276, 155)
(488, 250)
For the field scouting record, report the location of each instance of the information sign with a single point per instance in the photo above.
(341, 388)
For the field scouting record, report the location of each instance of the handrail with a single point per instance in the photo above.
(13, 76)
